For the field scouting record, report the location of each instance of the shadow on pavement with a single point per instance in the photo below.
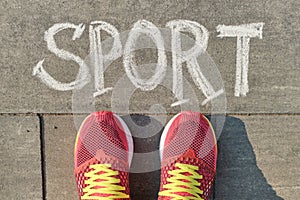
(145, 185)
(238, 176)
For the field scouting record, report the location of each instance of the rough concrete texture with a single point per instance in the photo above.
(258, 158)
(273, 64)
(276, 143)
(60, 135)
(259, 154)
(20, 158)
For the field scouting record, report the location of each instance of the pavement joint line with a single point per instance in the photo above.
(43, 155)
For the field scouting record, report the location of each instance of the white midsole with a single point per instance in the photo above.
(164, 134)
(128, 137)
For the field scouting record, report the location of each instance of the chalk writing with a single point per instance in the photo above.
(145, 27)
(190, 56)
(83, 73)
(243, 33)
(97, 55)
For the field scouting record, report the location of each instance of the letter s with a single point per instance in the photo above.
(83, 76)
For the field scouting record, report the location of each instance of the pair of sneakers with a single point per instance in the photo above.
(104, 150)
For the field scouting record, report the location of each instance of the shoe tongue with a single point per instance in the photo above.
(189, 154)
(100, 155)
(189, 157)
(102, 158)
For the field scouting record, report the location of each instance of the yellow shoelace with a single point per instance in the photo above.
(108, 184)
(180, 182)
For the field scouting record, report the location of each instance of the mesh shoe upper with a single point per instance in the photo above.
(103, 145)
(188, 139)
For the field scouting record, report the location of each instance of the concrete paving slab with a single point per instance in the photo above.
(60, 135)
(258, 158)
(20, 165)
(273, 78)
(276, 142)
(289, 192)
(259, 154)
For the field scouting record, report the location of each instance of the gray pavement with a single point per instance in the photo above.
(20, 153)
(273, 61)
(259, 145)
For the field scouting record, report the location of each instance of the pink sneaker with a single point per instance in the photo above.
(188, 153)
(103, 154)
